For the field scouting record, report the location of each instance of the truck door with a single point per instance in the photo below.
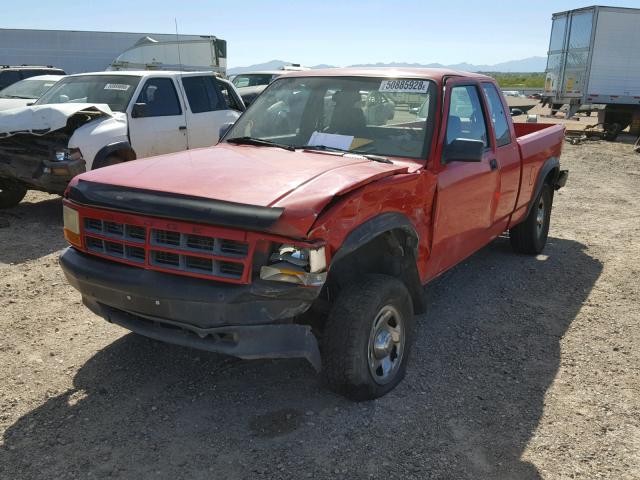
(466, 190)
(157, 125)
(506, 154)
(207, 111)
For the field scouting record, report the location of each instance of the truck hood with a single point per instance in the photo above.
(42, 119)
(9, 103)
(301, 183)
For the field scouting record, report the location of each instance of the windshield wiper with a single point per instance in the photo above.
(259, 143)
(15, 96)
(368, 156)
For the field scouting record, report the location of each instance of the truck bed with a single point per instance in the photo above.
(537, 142)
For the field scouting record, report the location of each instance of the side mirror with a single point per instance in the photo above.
(463, 150)
(224, 129)
(139, 110)
(515, 112)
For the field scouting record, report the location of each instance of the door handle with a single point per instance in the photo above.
(182, 127)
(493, 163)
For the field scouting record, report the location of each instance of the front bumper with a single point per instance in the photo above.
(45, 175)
(247, 321)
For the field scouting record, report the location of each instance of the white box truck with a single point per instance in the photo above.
(594, 58)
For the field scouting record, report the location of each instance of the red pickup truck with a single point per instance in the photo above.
(311, 229)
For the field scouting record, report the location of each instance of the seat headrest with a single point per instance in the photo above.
(346, 97)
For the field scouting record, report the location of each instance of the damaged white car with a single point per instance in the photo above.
(93, 120)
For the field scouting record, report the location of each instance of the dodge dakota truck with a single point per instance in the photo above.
(309, 231)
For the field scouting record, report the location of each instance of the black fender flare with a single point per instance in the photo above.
(378, 225)
(552, 163)
(105, 151)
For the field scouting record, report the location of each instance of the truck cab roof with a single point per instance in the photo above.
(435, 74)
(146, 73)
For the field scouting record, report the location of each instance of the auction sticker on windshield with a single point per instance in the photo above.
(404, 86)
(117, 86)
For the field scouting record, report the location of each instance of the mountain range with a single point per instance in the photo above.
(525, 65)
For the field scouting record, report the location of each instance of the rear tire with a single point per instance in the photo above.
(11, 192)
(530, 236)
(368, 337)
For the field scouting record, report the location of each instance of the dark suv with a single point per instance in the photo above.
(10, 75)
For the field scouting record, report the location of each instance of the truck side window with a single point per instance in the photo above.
(466, 119)
(498, 115)
(201, 94)
(159, 94)
(229, 96)
(9, 78)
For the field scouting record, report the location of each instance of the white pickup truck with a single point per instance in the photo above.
(93, 120)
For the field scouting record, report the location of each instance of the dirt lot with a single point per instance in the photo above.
(524, 368)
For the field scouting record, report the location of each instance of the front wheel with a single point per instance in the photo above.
(11, 193)
(107, 162)
(367, 338)
(530, 236)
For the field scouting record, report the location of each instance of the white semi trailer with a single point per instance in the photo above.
(594, 58)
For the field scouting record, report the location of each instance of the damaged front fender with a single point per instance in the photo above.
(33, 142)
(42, 119)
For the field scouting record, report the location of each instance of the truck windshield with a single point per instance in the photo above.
(391, 117)
(28, 88)
(252, 79)
(114, 90)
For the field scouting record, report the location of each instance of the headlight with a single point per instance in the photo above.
(304, 266)
(68, 154)
(71, 220)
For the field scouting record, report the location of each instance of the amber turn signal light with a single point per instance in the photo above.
(71, 220)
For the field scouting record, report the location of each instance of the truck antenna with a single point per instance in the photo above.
(175, 20)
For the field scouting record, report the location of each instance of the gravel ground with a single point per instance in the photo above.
(524, 368)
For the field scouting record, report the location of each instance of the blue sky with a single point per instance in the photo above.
(337, 32)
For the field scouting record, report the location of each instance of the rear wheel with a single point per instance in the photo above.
(11, 192)
(530, 236)
(367, 338)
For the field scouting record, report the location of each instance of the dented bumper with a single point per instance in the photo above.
(32, 161)
(51, 177)
(247, 321)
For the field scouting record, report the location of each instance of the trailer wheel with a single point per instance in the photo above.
(11, 192)
(367, 338)
(530, 236)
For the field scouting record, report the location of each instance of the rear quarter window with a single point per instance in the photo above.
(497, 114)
(201, 94)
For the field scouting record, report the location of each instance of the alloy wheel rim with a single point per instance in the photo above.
(540, 216)
(386, 345)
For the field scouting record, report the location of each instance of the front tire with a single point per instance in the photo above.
(11, 192)
(368, 337)
(107, 162)
(530, 236)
